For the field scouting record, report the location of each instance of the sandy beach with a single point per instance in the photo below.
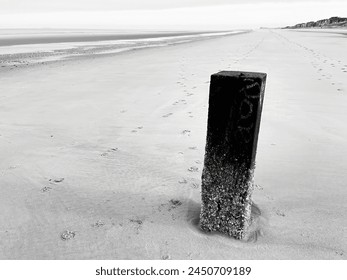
(101, 155)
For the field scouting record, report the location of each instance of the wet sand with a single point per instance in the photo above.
(22, 48)
(9, 38)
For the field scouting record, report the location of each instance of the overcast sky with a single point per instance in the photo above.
(164, 14)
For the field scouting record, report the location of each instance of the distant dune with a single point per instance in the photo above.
(333, 22)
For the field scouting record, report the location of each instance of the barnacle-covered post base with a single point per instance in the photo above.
(235, 106)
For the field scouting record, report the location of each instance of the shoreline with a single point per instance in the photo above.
(25, 55)
(78, 37)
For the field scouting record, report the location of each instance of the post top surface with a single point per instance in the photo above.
(239, 74)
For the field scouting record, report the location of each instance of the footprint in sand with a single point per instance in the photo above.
(279, 212)
(193, 169)
(112, 150)
(259, 187)
(46, 189)
(138, 224)
(192, 148)
(165, 257)
(11, 167)
(190, 255)
(67, 235)
(180, 101)
(174, 203)
(186, 132)
(167, 115)
(135, 130)
(98, 224)
(182, 181)
(340, 253)
(136, 221)
(53, 182)
(56, 180)
(171, 205)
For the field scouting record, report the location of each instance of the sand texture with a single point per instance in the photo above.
(101, 156)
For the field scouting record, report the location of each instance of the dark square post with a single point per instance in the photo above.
(235, 106)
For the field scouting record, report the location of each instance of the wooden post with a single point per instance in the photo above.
(235, 106)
